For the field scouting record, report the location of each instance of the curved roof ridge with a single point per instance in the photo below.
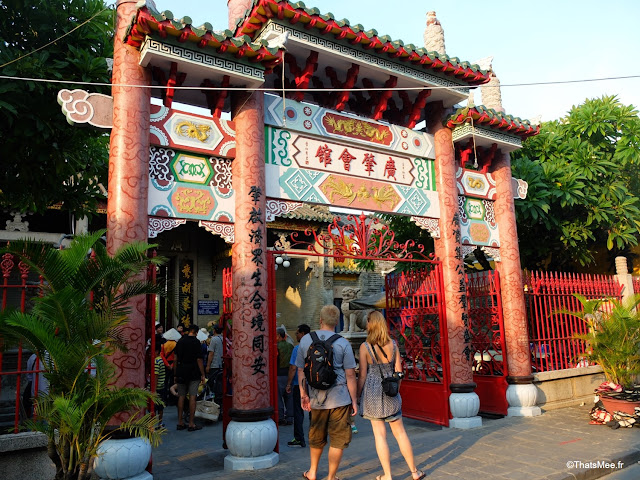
(488, 117)
(148, 20)
(297, 12)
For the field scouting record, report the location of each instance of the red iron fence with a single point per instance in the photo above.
(636, 284)
(21, 377)
(19, 286)
(551, 332)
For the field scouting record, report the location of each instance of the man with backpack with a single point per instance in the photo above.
(327, 377)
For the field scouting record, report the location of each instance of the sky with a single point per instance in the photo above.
(531, 42)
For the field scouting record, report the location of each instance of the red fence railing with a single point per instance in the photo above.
(551, 332)
(19, 286)
(636, 284)
(21, 373)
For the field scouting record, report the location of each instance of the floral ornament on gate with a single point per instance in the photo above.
(360, 237)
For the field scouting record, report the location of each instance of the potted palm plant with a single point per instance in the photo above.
(613, 342)
(75, 325)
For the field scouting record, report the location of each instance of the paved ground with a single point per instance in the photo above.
(558, 445)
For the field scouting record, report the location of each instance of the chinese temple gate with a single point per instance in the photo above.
(337, 128)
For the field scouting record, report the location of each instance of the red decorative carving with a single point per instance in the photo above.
(7, 264)
(360, 237)
(352, 77)
(24, 270)
(486, 156)
(216, 98)
(339, 99)
(384, 96)
(418, 107)
(302, 76)
(175, 80)
(465, 152)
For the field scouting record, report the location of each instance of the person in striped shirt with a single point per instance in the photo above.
(161, 376)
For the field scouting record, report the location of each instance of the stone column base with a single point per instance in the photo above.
(251, 443)
(466, 423)
(250, 463)
(524, 411)
(522, 400)
(464, 404)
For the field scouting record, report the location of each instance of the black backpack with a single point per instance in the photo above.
(318, 365)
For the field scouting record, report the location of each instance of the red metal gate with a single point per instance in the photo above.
(227, 294)
(486, 324)
(417, 321)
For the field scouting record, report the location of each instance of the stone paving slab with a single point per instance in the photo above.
(558, 445)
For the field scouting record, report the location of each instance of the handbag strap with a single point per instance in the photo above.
(377, 360)
(374, 357)
(393, 358)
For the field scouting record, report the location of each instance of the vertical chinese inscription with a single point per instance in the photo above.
(185, 290)
(256, 234)
(462, 288)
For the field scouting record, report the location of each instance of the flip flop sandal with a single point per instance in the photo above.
(197, 427)
(181, 427)
(304, 475)
(420, 476)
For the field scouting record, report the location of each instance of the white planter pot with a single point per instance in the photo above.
(251, 439)
(119, 459)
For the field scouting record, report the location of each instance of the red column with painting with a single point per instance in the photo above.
(251, 435)
(463, 401)
(521, 393)
(128, 180)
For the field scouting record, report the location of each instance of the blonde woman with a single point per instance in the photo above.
(379, 358)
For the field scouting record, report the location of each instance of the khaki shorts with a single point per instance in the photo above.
(333, 422)
(191, 388)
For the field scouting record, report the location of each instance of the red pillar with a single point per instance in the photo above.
(251, 435)
(521, 393)
(128, 180)
(513, 305)
(448, 251)
(464, 402)
(248, 259)
(248, 255)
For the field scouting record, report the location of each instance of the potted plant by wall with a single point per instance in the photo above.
(613, 342)
(75, 325)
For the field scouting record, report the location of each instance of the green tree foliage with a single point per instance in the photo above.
(45, 160)
(583, 185)
(76, 323)
(613, 337)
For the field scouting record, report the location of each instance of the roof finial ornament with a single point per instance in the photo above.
(535, 121)
(491, 94)
(434, 35)
(485, 63)
(470, 100)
